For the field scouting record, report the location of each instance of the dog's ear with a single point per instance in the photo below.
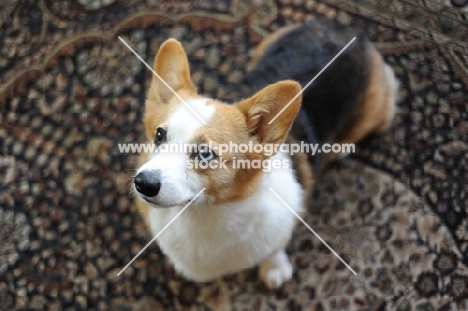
(171, 64)
(265, 106)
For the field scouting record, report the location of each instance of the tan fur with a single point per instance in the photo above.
(266, 43)
(228, 184)
(379, 101)
(246, 121)
(304, 173)
(261, 108)
(171, 64)
(378, 109)
(301, 164)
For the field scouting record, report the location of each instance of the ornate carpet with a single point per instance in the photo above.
(70, 91)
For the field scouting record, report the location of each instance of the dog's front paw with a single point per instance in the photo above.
(276, 270)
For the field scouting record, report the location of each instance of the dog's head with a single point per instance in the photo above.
(177, 116)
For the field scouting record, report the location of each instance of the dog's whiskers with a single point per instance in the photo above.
(131, 178)
(131, 193)
(132, 189)
(130, 169)
(198, 209)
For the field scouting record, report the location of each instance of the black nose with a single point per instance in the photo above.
(148, 182)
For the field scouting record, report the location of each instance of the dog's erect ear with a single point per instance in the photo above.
(172, 65)
(261, 108)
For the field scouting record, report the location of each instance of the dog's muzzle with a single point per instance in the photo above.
(148, 182)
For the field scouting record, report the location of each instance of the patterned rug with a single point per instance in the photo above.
(70, 91)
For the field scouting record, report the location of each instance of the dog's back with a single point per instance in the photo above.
(352, 98)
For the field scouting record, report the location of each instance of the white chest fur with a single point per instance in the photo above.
(206, 242)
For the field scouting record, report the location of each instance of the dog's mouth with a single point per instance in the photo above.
(147, 201)
(152, 203)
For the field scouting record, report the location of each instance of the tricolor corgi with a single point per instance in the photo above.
(234, 221)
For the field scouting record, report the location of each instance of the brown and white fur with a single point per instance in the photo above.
(237, 222)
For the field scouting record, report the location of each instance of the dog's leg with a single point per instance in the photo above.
(276, 270)
(378, 109)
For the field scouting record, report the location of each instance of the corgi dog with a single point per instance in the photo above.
(234, 221)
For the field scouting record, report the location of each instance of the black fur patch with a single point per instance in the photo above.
(332, 103)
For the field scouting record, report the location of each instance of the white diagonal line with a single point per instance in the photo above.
(164, 82)
(162, 230)
(312, 230)
(310, 82)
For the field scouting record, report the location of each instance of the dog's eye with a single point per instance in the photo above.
(160, 136)
(205, 153)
